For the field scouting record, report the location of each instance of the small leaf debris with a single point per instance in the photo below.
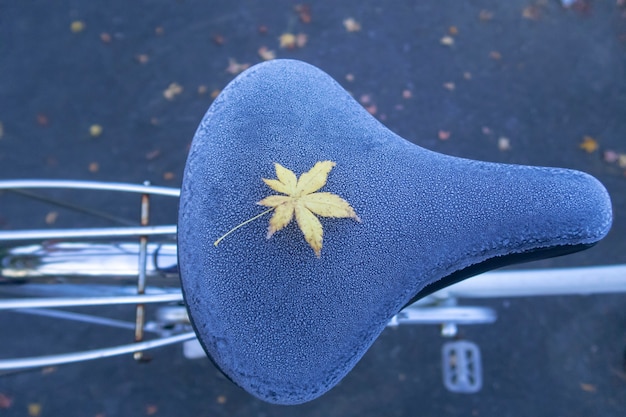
(42, 119)
(34, 409)
(304, 12)
(485, 15)
(152, 155)
(95, 130)
(77, 26)
(218, 39)
(287, 40)
(266, 54)
(351, 25)
(5, 401)
(531, 12)
(588, 387)
(235, 68)
(172, 91)
(589, 144)
(52, 217)
(504, 144)
(447, 40)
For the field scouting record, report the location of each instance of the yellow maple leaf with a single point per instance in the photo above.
(302, 200)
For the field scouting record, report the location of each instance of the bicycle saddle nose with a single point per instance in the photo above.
(287, 325)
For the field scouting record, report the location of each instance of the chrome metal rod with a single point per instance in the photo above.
(538, 282)
(83, 318)
(90, 185)
(14, 304)
(52, 360)
(441, 315)
(111, 232)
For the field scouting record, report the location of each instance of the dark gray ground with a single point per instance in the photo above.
(544, 81)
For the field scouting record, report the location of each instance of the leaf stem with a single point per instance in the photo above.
(217, 242)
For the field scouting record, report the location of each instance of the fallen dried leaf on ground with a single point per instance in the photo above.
(266, 54)
(34, 409)
(77, 26)
(304, 12)
(485, 15)
(5, 401)
(447, 40)
(52, 217)
(531, 12)
(42, 120)
(301, 40)
(235, 68)
(588, 387)
(351, 25)
(95, 130)
(504, 144)
(218, 39)
(443, 135)
(589, 144)
(287, 40)
(172, 91)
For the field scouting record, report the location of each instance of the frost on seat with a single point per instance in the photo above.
(286, 325)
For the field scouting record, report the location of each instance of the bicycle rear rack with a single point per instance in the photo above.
(140, 273)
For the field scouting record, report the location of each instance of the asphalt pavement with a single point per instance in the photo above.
(114, 90)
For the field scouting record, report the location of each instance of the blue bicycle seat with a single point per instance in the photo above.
(287, 325)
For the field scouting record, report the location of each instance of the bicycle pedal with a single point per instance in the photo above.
(462, 367)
